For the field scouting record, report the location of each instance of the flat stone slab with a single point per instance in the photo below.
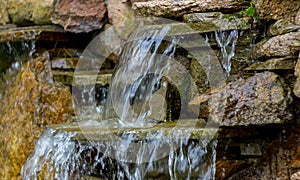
(285, 63)
(93, 130)
(90, 130)
(170, 8)
(213, 21)
(27, 33)
(81, 78)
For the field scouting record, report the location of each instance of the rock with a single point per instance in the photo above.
(29, 33)
(212, 21)
(250, 149)
(79, 16)
(29, 11)
(31, 102)
(120, 15)
(282, 26)
(4, 18)
(278, 158)
(297, 74)
(118, 11)
(170, 8)
(225, 168)
(295, 176)
(284, 63)
(261, 99)
(133, 1)
(295, 162)
(278, 46)
(81, 79)
(278, 9)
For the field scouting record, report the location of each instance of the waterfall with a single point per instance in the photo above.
(57, 156)
(226, 42)
(138, 76)
(136, 144)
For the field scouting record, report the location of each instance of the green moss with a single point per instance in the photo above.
(250, 11)
(245, 24)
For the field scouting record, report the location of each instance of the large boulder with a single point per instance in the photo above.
(278, 46)
(170, 8)
(79, 16)
(278, 9)
(32, 101)
(261, 99)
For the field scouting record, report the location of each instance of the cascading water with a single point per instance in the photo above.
(226, 42)
(57, 156)
(138, 76)
(130, 146)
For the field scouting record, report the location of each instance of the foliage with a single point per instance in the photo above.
(250, 11)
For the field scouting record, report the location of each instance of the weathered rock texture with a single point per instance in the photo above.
(282, 26)
(210, 22)
(118, 11)
(79, 16)
(278, 9)
(283, 63)
(30, 11)
(31, 102)
(261, 99)
(278, 46)
(4, 18)
(170, 8)
(280, 158)
(297, 73)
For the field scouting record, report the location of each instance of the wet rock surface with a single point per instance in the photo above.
(278, 46)
(10, 34)
(169, 8)
(79, 16)
(32, 101)
(261, 99)
(278, 9)
(280, 158)
(209, 22)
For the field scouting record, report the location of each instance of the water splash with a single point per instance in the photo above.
(57, 156)
(226, 42)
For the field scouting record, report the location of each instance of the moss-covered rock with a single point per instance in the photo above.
(30, 11)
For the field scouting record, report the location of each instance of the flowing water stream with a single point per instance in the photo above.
(138, 96)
